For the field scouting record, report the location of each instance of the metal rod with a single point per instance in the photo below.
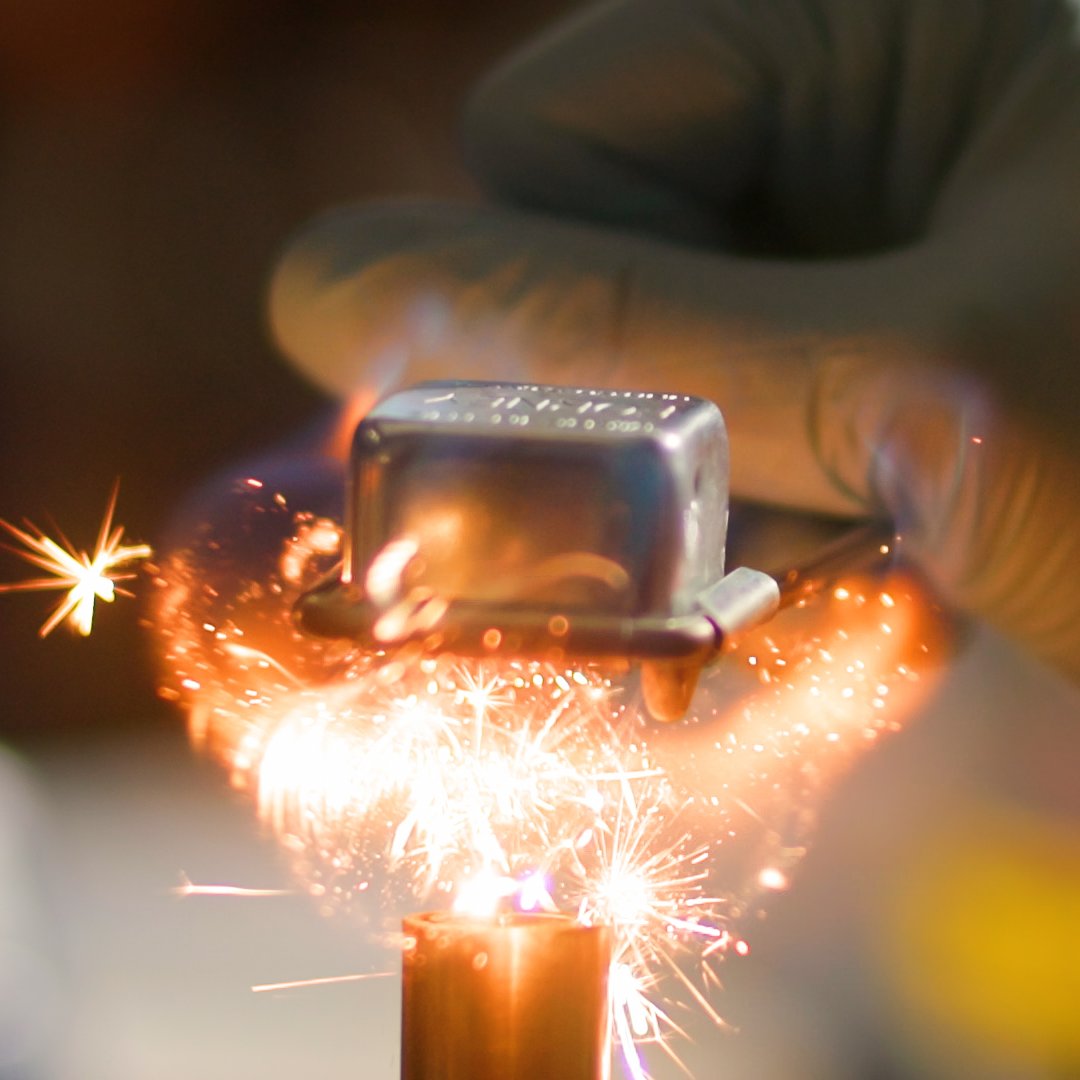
(509, 997)
(862, 548)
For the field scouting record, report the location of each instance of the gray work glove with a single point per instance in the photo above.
(854, 224)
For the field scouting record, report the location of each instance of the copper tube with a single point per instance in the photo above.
(511, 997)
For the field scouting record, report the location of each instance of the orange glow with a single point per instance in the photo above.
(354, 410)
(400, 781)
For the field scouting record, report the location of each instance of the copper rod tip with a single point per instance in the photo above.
(511, 997)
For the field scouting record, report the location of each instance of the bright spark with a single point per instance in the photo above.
(188, 888)
(327, 980)
(86, 577)
(644, 877)
(534, 785)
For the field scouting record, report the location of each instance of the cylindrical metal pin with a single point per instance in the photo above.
(510, 997)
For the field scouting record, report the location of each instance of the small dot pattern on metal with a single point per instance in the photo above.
(551, 409)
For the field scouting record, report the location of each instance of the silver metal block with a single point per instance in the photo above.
(583, 521)
(552, 523)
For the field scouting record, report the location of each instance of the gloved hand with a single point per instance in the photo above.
(854, 225)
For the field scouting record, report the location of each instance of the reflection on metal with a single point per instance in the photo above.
(547, 522)
(507, 997)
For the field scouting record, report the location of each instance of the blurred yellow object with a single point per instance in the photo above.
(982, 937)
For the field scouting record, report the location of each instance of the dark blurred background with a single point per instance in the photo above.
(155, 156)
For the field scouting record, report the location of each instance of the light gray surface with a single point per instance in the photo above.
(137, 984)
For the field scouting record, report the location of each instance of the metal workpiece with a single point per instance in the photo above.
(605, 502)
(546, 522)
(740, 600)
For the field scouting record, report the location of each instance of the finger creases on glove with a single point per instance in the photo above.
(812, 125)
(403, 293)
(480, 293)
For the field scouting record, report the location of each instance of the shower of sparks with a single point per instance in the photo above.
(85, 577)
(401, 782)
(462, 786)
(647, 880)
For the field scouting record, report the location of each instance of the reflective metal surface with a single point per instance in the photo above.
(551, 522)
(509, 997)
(524, 517)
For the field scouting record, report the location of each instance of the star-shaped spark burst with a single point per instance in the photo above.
(86, 577)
